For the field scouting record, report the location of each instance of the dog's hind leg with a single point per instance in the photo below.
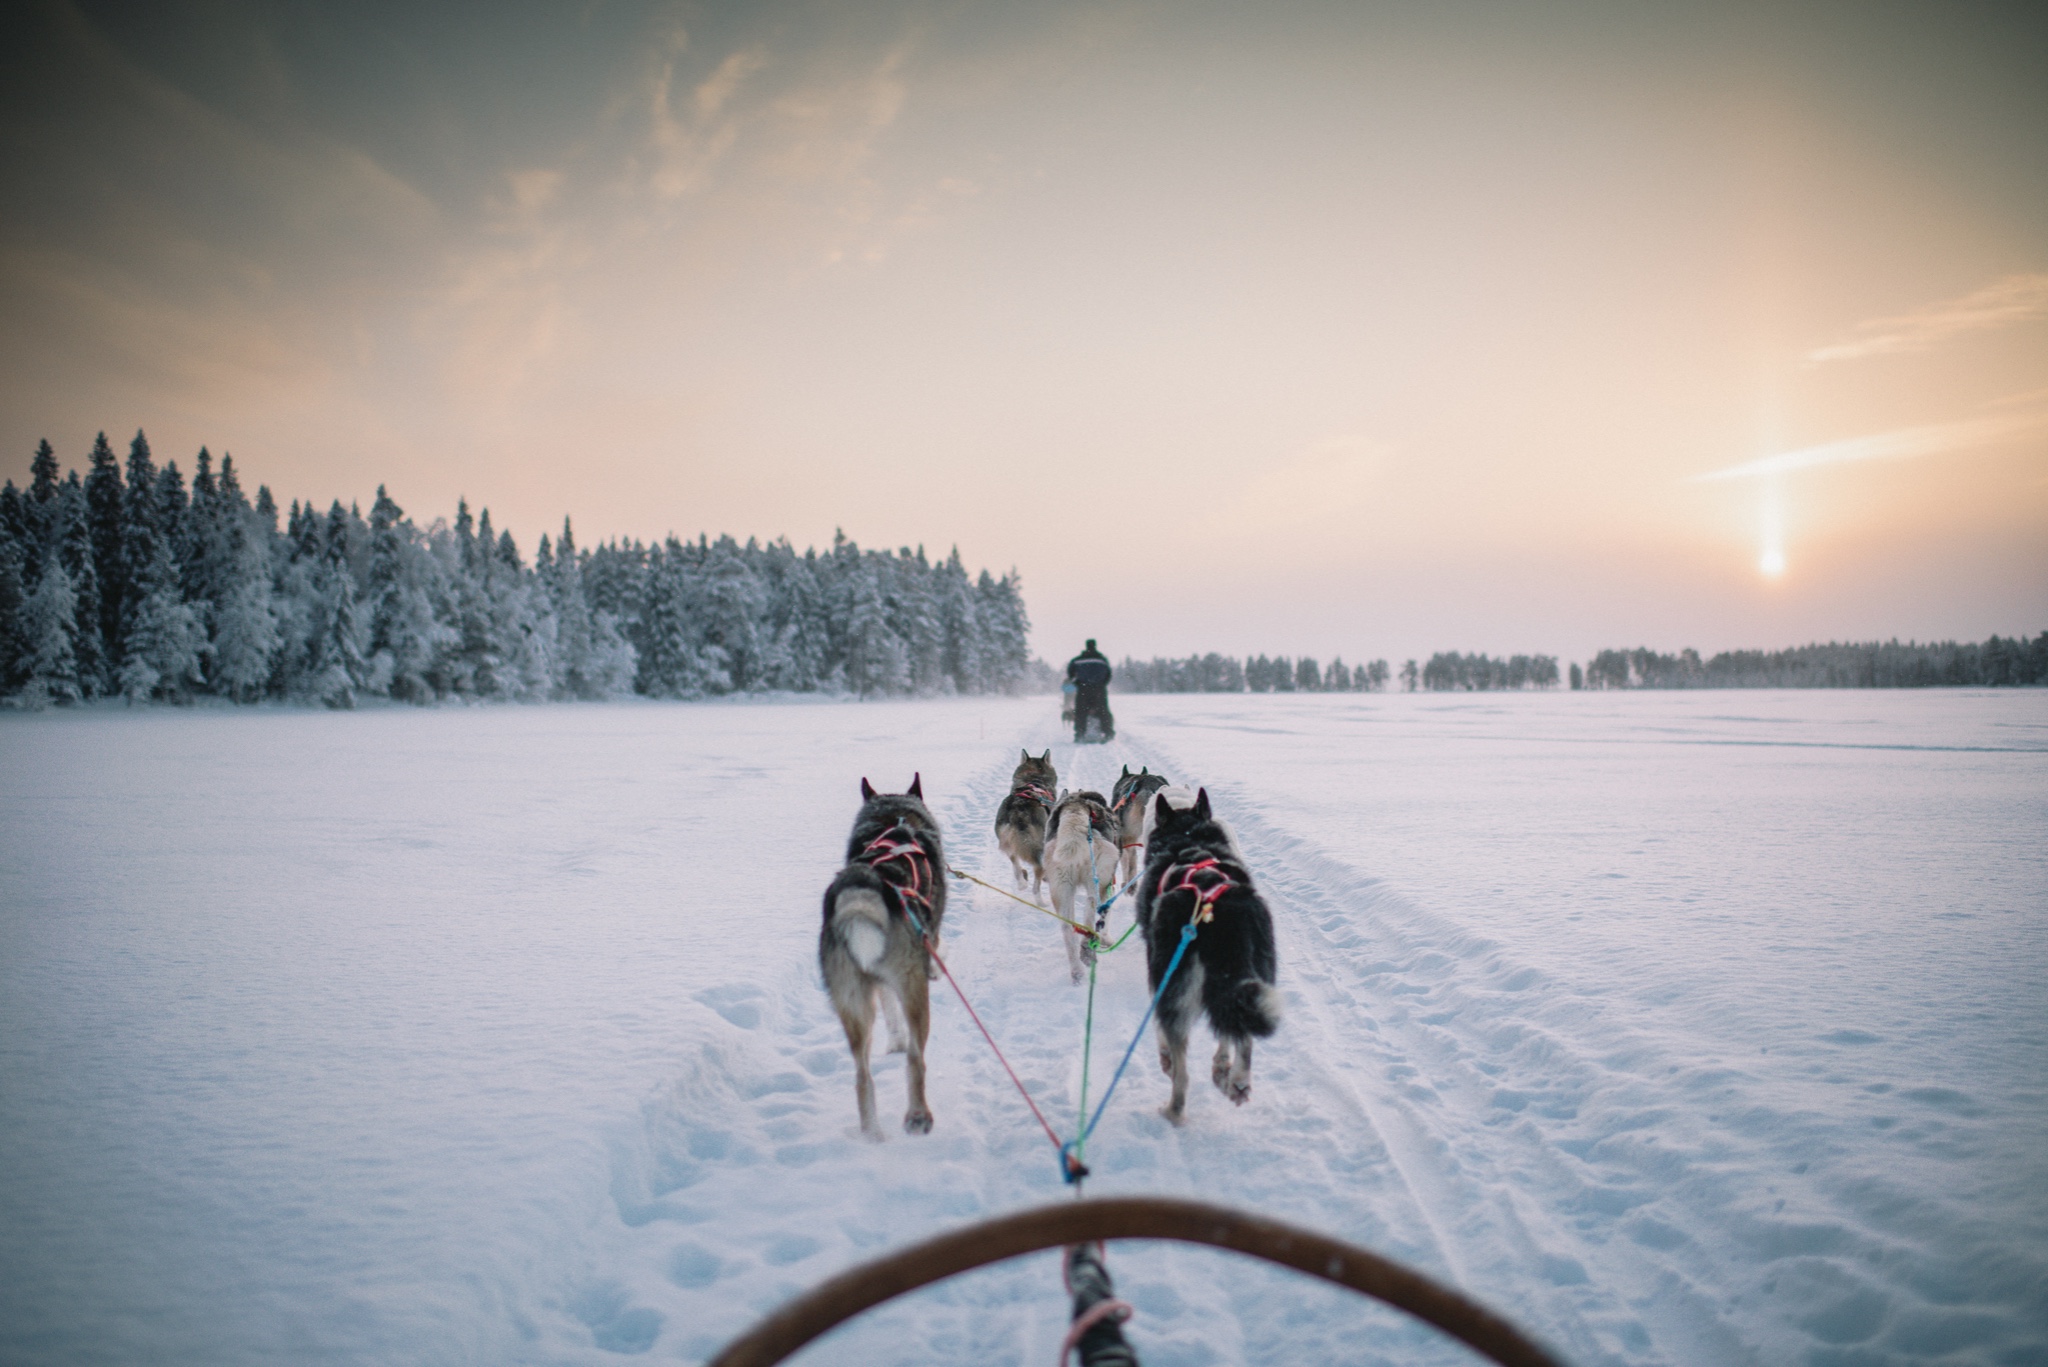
(1173, 1053)
(859, 1020)
(1064, 905)
(917, 1009)
(892, 1018)
(1233, 1075)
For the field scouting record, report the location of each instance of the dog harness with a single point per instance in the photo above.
(898, 846)
(1036, 792)
(1205, 879)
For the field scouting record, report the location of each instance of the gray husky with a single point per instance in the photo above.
(1080, 853)
(1195, 875)
(880, 912)
(1128, 799)
(1020, 821)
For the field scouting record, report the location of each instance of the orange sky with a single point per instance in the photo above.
(1309, 331)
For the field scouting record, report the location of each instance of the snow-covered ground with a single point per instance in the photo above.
(1683, 1028)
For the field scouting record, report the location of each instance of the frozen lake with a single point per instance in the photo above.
(1680, 1027)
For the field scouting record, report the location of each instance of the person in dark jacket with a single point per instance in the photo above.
(1089, 673)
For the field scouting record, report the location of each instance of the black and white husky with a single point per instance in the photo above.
(879, 912)
(1080, 858)
(1128, 799)
(1193, 871)
(1021, 819)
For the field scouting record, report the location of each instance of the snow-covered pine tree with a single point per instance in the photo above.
(337, 669)
(1007, 631)
(166, 644)
(406, 639)
(139, 537)
(48, 620)
(731, 604)
(12, 599)
(104, 509)
(246, 639)
(960, 626)
(75, 545)
(877, 664)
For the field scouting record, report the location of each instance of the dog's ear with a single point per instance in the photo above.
(1045, 758)
(1126, 773)
(917, 786)
(1202, 804)
(867, 791)
(1162, 811)
(1142, 769)
(1026, 755)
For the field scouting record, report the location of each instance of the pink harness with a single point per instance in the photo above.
(1205, 879)
(886, 849)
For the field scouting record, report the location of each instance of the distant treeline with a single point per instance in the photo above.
(1213, 673)
(1450, 671)
(138, 587)
(1996, 663)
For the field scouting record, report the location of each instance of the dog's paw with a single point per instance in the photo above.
(1219, 1073)
(900, 1045)
(1175, 1115)
(917, 1122)
(1239, 1090)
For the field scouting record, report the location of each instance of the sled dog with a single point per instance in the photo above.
(1080, 858)
(878, 912)
(1193, 871)
(1180, 799)
(1021, 819)
(1128, 799)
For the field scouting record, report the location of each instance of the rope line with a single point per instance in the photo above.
(1187, 937)
(972, 1015)
(1022, 901)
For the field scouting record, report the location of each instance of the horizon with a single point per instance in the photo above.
(1334, 334)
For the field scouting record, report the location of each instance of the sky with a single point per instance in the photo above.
(1346, 330)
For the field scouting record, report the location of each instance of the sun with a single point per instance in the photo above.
(1772, 564)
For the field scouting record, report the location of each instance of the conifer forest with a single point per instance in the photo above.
(132, 584)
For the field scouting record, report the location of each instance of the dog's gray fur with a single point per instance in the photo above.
(1130, 800)
(1080, 852)
(869, 948)
(1022, 817)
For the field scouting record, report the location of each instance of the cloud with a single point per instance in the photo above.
(2015, 299)
(1902, 444)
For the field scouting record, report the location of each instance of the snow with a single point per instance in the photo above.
(1680, 1027)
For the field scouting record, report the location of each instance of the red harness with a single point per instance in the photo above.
(1037, 793)
(1205, 879)
(904, 851)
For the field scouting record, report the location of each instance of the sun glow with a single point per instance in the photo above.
(1772, 562)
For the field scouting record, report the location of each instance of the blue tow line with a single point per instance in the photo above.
(1071, 1170)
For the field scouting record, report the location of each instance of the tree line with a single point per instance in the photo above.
(1213, 673)
(1996, 663)
(139, 587)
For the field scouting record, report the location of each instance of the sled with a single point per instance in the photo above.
(1071, 1222)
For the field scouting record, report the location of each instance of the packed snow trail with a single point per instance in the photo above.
(1429, 1096)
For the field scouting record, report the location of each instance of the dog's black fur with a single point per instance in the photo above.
(1230, 968)
(870, 946)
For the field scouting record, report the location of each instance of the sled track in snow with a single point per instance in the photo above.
(1426, 1096)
